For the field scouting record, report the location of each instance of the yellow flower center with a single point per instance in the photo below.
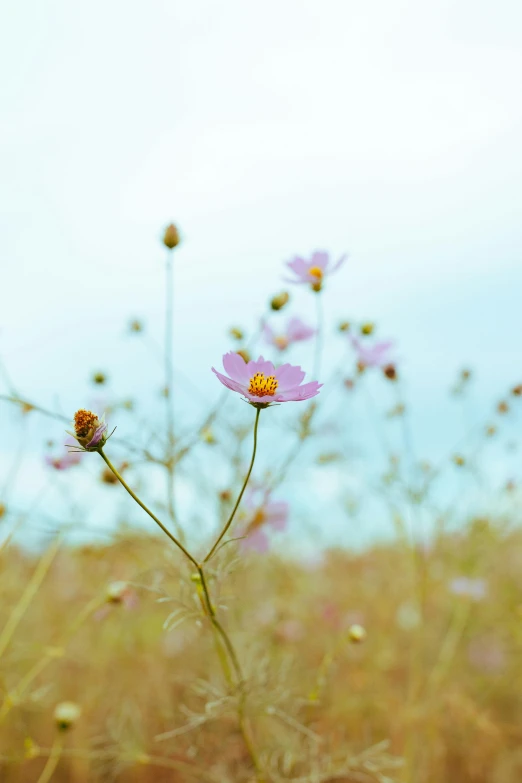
(281, 342)
(261, 385)
(316, 272)
(257, 520)
(84, 421)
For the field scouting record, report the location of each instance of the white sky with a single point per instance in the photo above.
(389, 129)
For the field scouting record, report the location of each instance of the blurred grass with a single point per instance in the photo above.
(439, 674)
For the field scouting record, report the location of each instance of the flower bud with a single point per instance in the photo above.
(502, 407)
(3, 510)
(344, 326)
(236, 333)
(66, 714)
(171, 237)
(135, 326)
(390, 372)
(115, 592)
(244, 354)
(356, 634)
(459, 460)
(99, 378)
(367, 328)
(280, 300)
(516, 391)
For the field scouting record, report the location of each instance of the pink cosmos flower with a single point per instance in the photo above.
(296, 331)
(313, 270)
(265, 515)
(373, 355)
(262, 384)
(64, 461)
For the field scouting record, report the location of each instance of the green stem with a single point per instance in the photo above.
(52, 762)
(238, 501)
(318, 336)
(147, 510)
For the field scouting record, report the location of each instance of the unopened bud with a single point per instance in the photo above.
(516, 391)
(502, 407)
(344, 326)
(280, 300)
(459, 460)
(135, 326)
(171, 237)
(196, 578)
(99, 378)
(244, 354)
(390, 372)
(356, 634)
(116, 592)
(236, 333)
(66, 714)
(367, 328)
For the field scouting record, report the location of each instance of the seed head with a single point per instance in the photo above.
(356, 634)
(171, 237)
(66, 714)
(89, 430)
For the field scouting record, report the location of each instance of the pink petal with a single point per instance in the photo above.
(288, 376)
(260, 365)
(258, 541)
(229, 383)
(276, 515)
(299, 393)
(298, 265)
(320, 258)
(339, 263)
(236, 367)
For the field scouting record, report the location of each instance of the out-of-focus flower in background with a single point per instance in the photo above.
(64, 460)
(313, 270)
(296, 331)
(265, 515)
(262, 384)
(171, 237)
(476, 589)
(372, 355)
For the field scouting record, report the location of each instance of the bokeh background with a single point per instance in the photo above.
(390, 130)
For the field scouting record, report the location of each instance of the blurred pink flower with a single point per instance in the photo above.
(487, 654)
(313, 270)
(262, 384)
(265, 514)
(66, 460)
(296, 331)
(476, 589)
(374, 355)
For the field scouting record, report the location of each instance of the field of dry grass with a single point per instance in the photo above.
(433, 693)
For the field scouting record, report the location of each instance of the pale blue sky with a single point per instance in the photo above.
(391, 130)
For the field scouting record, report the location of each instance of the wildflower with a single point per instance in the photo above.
(296, 331)
(268, 514)
(66, 714)
(470, 588)
(280, 300)
(63, 463)
(376, 355)
(89, 431)
(367, 328)
(262, 384)
(356, 633)
(171, 237)
(313, 271)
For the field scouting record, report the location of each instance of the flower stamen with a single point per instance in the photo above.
(317, 272)
(261, 385)
(84, 421)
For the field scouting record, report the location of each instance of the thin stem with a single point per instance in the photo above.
(170, 462)
(52, 761)
(147, 510)
(238, 501)
(319, 335)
